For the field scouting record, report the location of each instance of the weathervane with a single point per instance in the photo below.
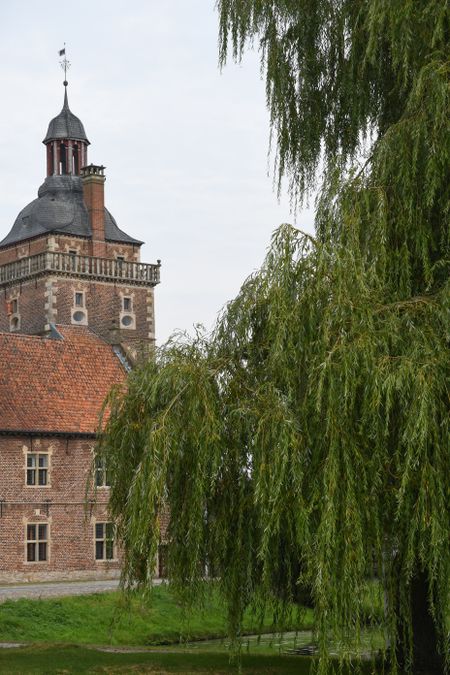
(65, 64)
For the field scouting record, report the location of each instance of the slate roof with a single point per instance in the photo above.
(55, 385)
(60, 208)
(66, 125)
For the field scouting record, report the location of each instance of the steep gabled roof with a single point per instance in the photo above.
(55, 385)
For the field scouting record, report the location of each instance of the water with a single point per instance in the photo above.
(288, 643)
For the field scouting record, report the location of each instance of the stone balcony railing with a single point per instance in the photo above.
(68, 264)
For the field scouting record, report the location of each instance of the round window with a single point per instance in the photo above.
(79, 316)
(127, 320)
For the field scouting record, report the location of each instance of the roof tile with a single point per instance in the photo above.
(55, 385)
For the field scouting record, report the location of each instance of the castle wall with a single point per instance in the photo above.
(61, 505)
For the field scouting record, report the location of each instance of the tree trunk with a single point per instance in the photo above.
(427, 659)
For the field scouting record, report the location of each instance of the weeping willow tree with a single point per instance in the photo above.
(303, 447)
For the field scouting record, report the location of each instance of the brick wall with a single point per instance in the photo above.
(32, 297)
(23, 249)
(104, 308)
(70, 519)
(58, 242)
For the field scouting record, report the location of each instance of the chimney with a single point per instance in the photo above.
(94, 196)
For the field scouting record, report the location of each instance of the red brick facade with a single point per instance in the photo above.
(61, 505)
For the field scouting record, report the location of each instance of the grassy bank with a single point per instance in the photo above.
(106, 619)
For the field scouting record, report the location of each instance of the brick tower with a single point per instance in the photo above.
(65, 259)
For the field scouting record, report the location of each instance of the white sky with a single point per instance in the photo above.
(185, 146)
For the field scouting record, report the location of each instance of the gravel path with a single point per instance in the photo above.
(56, 589)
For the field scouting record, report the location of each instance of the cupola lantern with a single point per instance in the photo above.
(66, 142)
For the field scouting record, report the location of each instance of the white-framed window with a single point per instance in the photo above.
(37, 469)
(37, 542)
(101, 473)
(79, 311)
(104, 541)
(14, 316)
(127, 314)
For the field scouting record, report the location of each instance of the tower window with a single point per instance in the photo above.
(76, 163)
(79, 311)
(127, 316)
(63, 158)
(14, 316)
(50, 163)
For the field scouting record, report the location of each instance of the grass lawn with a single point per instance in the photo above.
(105, 619)
(72, 659)
(61, 631)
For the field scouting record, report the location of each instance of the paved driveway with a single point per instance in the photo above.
(56, 589)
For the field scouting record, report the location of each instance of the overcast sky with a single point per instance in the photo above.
(185, 145)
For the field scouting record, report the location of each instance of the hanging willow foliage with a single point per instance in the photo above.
(303, 448)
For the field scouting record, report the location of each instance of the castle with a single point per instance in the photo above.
(76, 311)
